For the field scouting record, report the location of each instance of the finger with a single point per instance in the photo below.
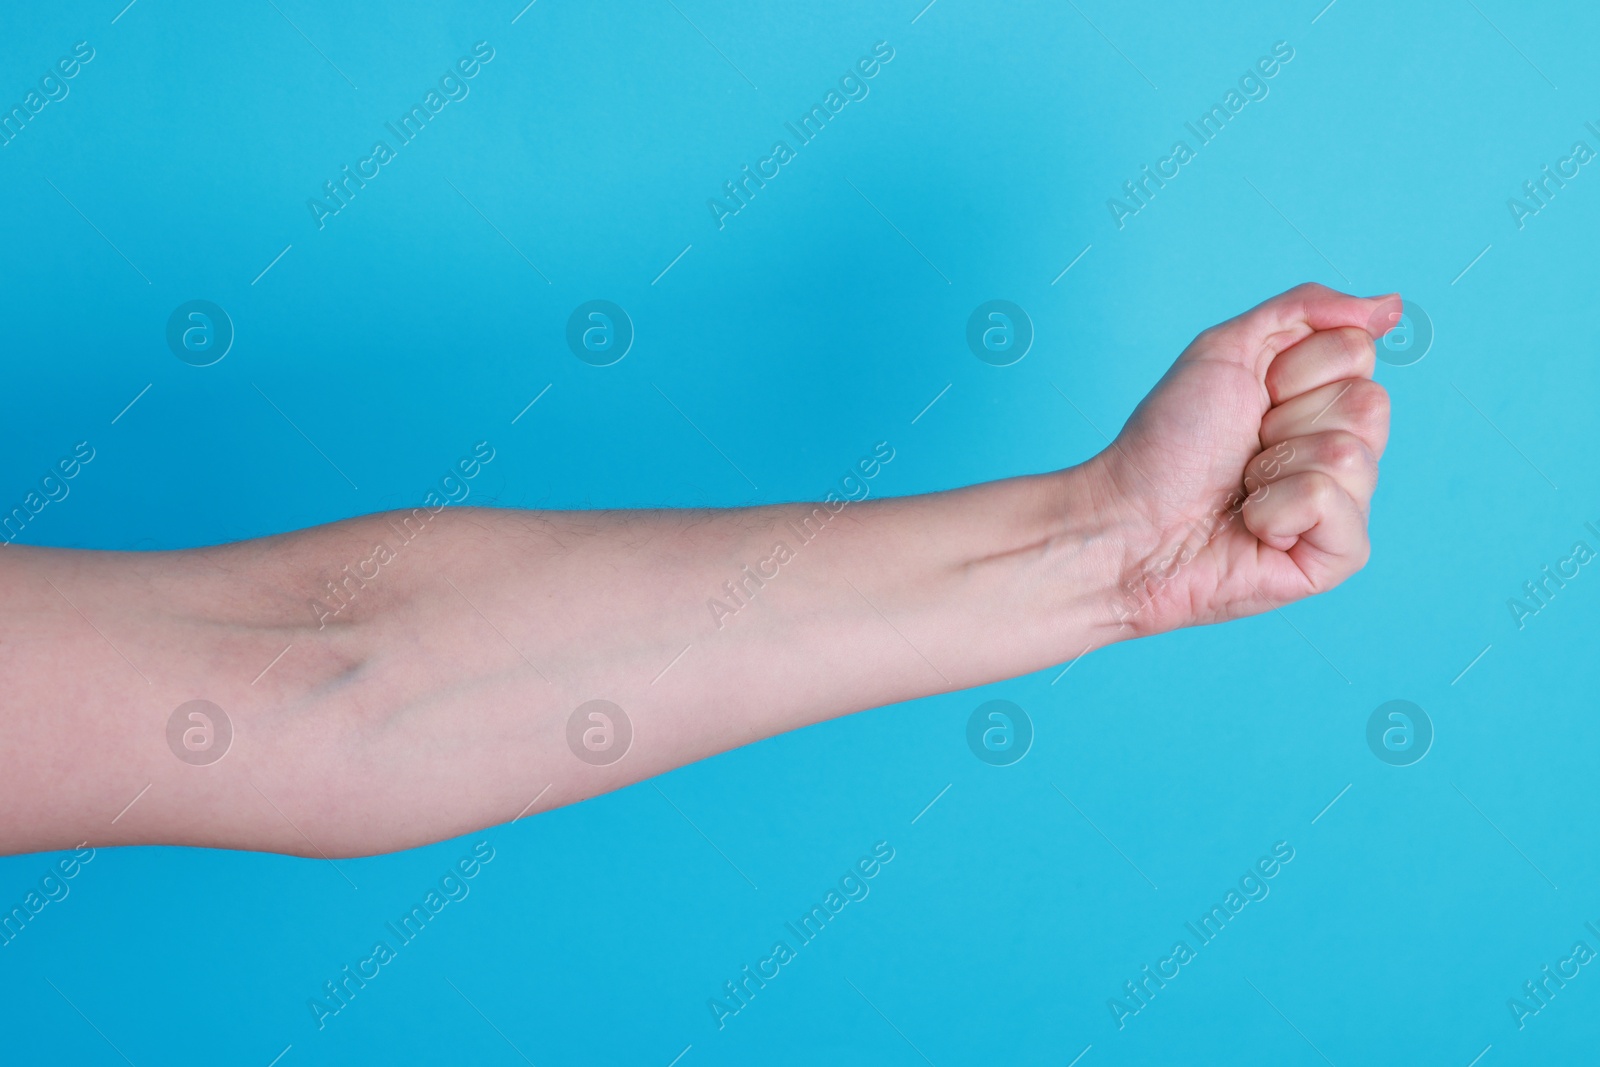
(1256, 337)
(1326, 356)
(1316, 522)
(1341, 455)
(1357, 405)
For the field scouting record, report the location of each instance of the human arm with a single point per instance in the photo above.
(438, 701)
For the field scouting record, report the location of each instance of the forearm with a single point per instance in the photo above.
(427, 690)
(393, 680)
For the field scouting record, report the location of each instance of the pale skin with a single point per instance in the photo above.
(437, 703)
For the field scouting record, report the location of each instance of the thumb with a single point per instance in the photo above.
(1255, 338)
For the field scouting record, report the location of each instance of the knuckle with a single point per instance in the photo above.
(1323, 489)
(1369, 404)
(1346, 453)
(1358, 346)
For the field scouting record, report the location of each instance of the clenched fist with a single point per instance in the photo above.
(1243, 481)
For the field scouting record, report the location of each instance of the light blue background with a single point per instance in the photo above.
(795, 337)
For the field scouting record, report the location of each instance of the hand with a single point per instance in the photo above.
(1245, 477)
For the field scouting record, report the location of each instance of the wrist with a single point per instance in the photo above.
(1029, 571)
(1080, 535)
